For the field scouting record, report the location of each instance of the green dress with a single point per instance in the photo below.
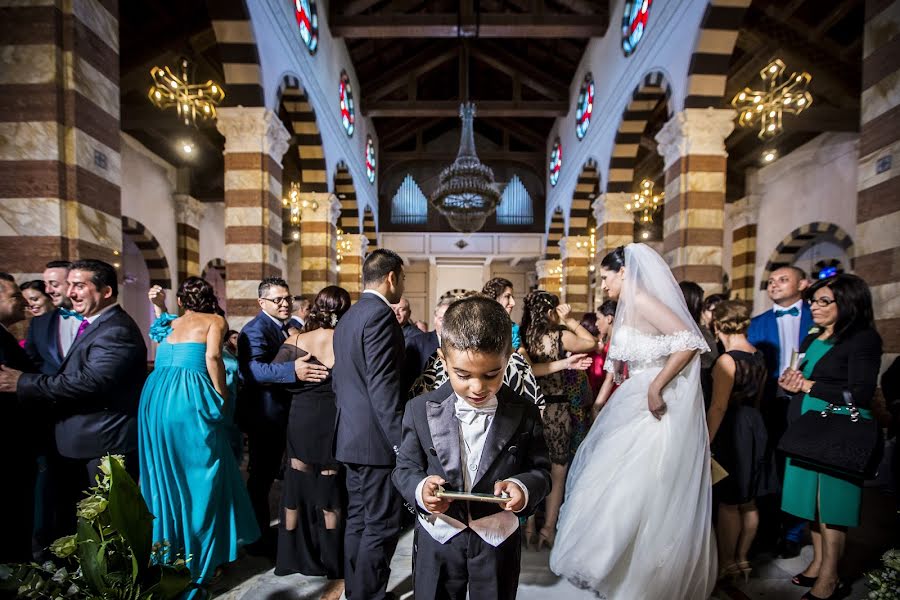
(839, 499)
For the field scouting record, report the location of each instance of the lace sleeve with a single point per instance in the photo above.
(162, 327)
(629, 345)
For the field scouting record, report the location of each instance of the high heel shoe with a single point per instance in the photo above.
(840, 591)
(802, 580)
(728, 574)
(745, 569)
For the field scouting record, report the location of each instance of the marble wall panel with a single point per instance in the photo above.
(30, 217)
(878, 234)
(29, 141)
(98, 20)
(29, 64)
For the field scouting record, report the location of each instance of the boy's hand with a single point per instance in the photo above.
(430, 500)
(516, 494)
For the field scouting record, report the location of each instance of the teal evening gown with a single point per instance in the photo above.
(190, 478)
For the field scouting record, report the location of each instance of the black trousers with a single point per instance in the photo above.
(372, 531)
(17, 507)
(267, 441)
(74, 476)
(465, 563)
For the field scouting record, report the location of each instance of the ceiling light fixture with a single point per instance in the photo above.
(782, 95)
(645, 201)
(192, 101)
(295, 206)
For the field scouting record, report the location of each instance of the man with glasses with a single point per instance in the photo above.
(261, 410)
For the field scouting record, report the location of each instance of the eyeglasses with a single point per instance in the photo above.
(823, 302)
(287, 300)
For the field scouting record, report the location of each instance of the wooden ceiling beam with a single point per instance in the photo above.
(406, 131)
(487, 156)
(832, 17)
(790, 8)
(778, 28)
(508, 63)
(455, 26)
(450, 108)
(582, 7)
(521, 131)
(416, 65)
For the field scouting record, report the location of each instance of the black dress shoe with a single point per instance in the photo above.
(841, 591)
(789, 549)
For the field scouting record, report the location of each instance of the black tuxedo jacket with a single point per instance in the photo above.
(851, 364)
(42, 342)
(261, 398)
(96, 391)
(17, 426)
(368, 351)
(515, 447)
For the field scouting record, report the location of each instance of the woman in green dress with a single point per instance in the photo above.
(842, 352)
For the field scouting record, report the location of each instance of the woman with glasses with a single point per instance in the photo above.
(842, 352)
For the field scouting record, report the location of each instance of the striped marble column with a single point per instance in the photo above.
(255, 142)
(318, 236)
(877, 258)
(60, 165)
(615, 227)
(692, 145)
(742, 217)
(188, 215)
(548, 275)
(575, 252)
(350, 274)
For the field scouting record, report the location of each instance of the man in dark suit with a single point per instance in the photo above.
(302, 306)
(94, 394)
(262, 410)
(17, 433)
(417, 345)
(777, 333)
(366, 382)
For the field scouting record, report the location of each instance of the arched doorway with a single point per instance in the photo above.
(143, 265)
(811, 248)
(214, 273)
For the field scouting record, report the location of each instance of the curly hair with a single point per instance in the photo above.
(495, 287)
(328, 307)
(197, 295)
(731, 317)
(535, 322)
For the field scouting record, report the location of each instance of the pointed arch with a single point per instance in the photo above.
(581, 217)
(346, 193)
(555, 233)
(306, 136)
(799, 240)
(151, 252)
(653, 89)
(238, 52)
(369, 229)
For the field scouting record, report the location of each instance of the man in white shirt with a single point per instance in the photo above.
(473, 434)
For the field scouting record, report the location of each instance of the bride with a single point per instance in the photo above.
(636, 522)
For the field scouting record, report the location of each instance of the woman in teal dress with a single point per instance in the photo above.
(190, 478)
(843, 352)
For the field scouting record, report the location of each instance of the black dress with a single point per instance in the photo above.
(305, 544)
(740, 442)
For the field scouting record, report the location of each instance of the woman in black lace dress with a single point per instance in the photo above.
(311, 533)
(738, 437)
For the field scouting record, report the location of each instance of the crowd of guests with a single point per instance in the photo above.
(323, 389)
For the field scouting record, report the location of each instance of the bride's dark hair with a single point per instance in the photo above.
(328, 307)
(614, 261)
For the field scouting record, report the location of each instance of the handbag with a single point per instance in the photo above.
(846, 446)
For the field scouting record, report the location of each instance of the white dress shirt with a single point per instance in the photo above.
(474, 425)
(788, 334)
(68, 329)
(380, 295)
(280, 323)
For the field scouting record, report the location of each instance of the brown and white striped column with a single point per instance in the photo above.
(188, 215)
(350, 275)
(548, 275)
(692, 145)
(615, 227)
(575, 252)
(742, 217)
(877, 257)
(255, 142)
(60, 165)
(318, 236)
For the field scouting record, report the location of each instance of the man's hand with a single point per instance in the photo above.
(430, 499)
(9, 379)
(579, 362)
(516, 495)
(655, 403)
(307, 371)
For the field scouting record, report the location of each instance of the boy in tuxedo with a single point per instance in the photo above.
(473, 434)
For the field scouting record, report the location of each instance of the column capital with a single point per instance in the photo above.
(253, 130)
(357, 245)
(743, 212)
(321, 206)
(547, 268)
(695, 131)
(188, 210)
(610, 206)
(573, 246)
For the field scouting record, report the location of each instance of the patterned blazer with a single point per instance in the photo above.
(518, 377)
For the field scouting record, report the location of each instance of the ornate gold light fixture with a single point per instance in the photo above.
(764, 108)
(295, 205)
(645, 201)
(591, 245)
(343, 247)
(193, 101)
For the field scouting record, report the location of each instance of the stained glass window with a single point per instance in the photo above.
(348, 112)
(634, 22)
(308, 22)
(555, 162)
(585, 106)
(370, 159)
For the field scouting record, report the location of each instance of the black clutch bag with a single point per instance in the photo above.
(846, 446)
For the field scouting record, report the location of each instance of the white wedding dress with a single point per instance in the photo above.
(636, 521)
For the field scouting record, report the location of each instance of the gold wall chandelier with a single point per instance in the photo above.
(343, 247)
(764, 108)
(192, 101)
(295, 206)
(645, 202)
(591, 245)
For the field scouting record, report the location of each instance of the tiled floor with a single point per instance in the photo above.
(252, 578)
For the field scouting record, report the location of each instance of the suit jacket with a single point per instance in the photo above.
(851, 364)
(763, 334)
(18, 428)
(515, 447)
(368, 348)
(417, 348)
(261, 398)
(96, 391)
(42, 343)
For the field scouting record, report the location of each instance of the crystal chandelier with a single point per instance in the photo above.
(645, 201)
(295, 206)
(192, 101)
(764, 108)
(466, 195)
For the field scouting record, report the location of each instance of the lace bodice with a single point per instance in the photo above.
(645, 351)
